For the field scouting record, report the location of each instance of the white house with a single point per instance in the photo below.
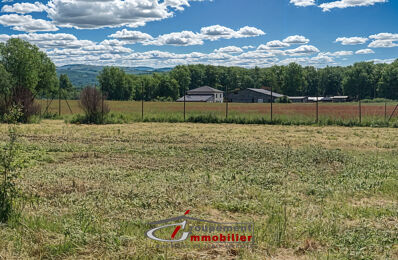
(204, 94)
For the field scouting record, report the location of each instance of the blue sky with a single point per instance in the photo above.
(165, 33)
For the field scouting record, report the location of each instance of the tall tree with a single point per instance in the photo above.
(359, 80)
(116, 84)
(183, 76)
(293, 80)
(389, 81)
(30, 72)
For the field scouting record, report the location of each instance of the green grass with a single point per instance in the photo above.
(339, 114)
(312, 192)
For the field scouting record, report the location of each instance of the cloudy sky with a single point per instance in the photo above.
(165, 33)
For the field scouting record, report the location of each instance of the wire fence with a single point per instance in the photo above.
(183, 111)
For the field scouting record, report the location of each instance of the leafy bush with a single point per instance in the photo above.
(283, 99)
(9, 166)
(377, 100)
(91, 101)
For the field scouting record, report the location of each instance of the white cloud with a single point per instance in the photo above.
(24, 8)
(340, 53)
(26, 23)
(351, 40)
(92, 14)
(303, 3)
(302, 50)
(296, 39)
(4, 37)
(365, 51)
(385, 36)
(184, 38)
(349, 3)
(387, 61)
(382, 44)
(229, 49)
(130, 37)
(248, 47)
(212, 33)
(273, 45)
(248, 31)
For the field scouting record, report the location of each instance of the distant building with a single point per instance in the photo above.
(253, 95)
(204, 94)
(298, 99)
(340, 99)
(319, 99)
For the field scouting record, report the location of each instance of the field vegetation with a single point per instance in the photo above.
(312, 192)
(372, 114)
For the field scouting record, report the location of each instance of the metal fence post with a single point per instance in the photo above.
(185, 93)
(142, 101)
(59, 101)
(102, 103)
(226, 103)
(360, 111)
(272, 101)
(317, 109)
(385, 111)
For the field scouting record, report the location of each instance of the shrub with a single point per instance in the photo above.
(9, 166)
(91, 101)
(283, 99)
(25, 100)
(377, 100)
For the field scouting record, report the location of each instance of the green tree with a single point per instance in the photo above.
(167, 87)
(293, 80)
(330, 81)
(116, 84)
(389, 81)
(183, 76)
(5, 89)
(30, 73)
(359, 80)
(311, 81)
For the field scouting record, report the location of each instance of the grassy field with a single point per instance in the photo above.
(285, 112)
(312, 192)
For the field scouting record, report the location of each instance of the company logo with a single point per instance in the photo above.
(194, 230)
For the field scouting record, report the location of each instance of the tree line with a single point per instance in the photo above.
(364, 80)
(26, 73)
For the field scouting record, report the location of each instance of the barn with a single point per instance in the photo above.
(253, 95)
(203, 94)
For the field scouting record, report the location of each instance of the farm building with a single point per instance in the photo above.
(253, 95)
(298, 99)
(203, 94)
(320, 99)
(340, 99)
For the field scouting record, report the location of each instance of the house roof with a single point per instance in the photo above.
(196, 98)
(266, 92)
(204, 90)
(297, 97)
(314, 98)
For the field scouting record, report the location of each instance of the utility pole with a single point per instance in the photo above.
(102, 104)
(317, 106)
(185, 93)
(59, 101)
(385, 111)
(272, 101)
(360, 107)
(226, 103)
(142, 101)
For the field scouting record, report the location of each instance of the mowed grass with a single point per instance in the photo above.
(307, 111)
(312, 192)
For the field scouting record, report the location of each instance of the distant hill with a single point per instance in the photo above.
(83, 75)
